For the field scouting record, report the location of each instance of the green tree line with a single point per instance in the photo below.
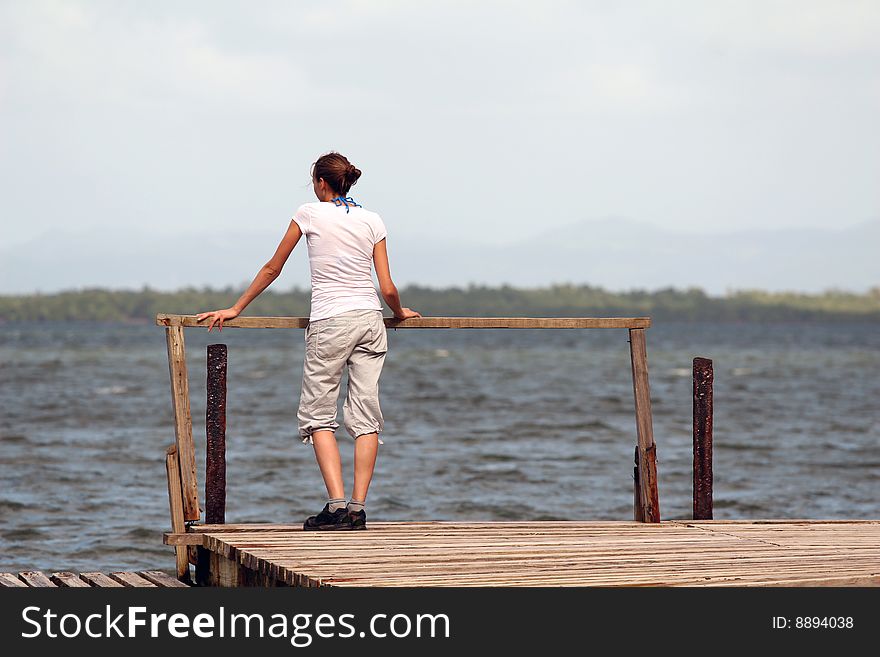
(563, 300)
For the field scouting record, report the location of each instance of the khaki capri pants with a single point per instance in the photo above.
(358, 339)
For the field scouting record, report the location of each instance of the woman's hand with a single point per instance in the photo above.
(218, 317)
(407, 313)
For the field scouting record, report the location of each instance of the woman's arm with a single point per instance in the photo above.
(386, 285)
(264, 278)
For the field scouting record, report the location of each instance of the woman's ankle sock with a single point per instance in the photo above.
(355, 506)
(336, 503)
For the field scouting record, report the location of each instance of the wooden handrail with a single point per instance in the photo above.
(188, 321)
(646, 505)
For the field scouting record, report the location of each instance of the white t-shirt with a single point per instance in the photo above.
(340, 256)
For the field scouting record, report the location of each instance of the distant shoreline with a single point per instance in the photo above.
(564, 300)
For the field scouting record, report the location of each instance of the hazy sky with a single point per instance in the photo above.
(474, 121)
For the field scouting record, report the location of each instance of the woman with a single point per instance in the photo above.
(346, 328)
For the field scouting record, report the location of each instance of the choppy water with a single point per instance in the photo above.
(488, 424)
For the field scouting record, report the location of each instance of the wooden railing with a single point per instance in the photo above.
(164, 319)
(646, 499)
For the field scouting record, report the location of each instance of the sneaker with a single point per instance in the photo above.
(328, 521)
(358, 519)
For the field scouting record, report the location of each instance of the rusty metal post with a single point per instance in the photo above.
(703, 380)
(215, 425)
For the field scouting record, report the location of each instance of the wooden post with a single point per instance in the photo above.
(203, 567)
(175, 501)
(703, 380)
(182, 421)
(649, 497)
(224, 571)
(637, 496)
(215, 425)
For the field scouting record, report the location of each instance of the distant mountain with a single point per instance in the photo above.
(621, 254)
(127, 258)
(614, 253)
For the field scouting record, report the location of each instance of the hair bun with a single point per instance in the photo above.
(335, 169)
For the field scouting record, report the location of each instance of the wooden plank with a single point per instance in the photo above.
(195, 533)
(780, 521)
(543, 525)
(132, 580)
(757, 567)
(586, 573)
(477, 537)
(569, 577)
(570, 554)
(11, 581)
(551, 531)
(461, 541)
(550, 580)
(609, 563)
(416, 548)
(175, 502)
(615, 562)
(484, 546)
(844, 580)
(482, 557)
(649, 496)
(163, 580)
(186, 455)
(169, 320)
(197, 537)
(183, 538)
(538, 550)
(433, 525)
(68, 580)
(36, 579)
(100, 580)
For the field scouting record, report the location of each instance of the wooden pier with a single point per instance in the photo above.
(643, 552)
(545, 553)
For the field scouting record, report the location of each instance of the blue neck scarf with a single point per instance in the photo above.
(347, 201)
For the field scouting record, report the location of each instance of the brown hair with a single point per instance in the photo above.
(336, 171)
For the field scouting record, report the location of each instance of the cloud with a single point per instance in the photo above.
(553, 57)
(94, 54)
(689, 114)
(812, 28)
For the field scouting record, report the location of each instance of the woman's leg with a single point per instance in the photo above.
(366, 447)
(363, 415)
(327, 455)
(327, 348)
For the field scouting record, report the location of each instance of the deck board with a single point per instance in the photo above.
(132, 580)
(599, 553)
